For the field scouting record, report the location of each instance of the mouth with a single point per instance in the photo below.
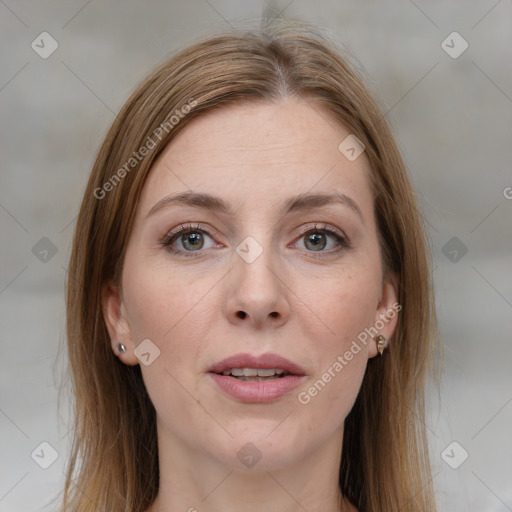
(247, 367)
(255, 374)
(249, 378)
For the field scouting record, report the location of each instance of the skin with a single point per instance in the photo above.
(303, 302)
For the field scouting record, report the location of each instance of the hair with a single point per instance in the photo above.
(113, 462)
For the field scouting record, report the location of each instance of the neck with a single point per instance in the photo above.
(197, 482)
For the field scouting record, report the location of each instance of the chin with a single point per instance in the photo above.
(260, 452)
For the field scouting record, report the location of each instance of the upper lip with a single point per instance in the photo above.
(263, 361)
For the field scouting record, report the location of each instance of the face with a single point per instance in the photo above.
(259, 276)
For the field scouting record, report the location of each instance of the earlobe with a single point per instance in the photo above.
(386, 317)
(116, 321)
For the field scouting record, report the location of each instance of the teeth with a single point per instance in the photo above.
(253, 372)
(265, 372)
(257, 379)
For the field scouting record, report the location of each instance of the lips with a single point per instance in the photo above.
(256, 379)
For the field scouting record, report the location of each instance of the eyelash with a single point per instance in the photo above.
(169, 239)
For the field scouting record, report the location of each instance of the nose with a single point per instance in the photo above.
(257, 293)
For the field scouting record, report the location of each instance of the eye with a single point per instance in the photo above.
(323, 238)
(188, 239)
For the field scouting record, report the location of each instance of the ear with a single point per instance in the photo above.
(386, 314)
(116, 320)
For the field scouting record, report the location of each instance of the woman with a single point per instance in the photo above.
(250, 316)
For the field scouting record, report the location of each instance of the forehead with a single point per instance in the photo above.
(259, 150)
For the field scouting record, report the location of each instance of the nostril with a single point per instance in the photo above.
(241, 314)
(274, 314)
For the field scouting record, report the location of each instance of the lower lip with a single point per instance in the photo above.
(257, 392)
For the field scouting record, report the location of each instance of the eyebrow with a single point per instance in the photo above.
(292, 204)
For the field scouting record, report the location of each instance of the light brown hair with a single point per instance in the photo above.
(114, 460)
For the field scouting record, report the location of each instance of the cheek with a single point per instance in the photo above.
(170, 309)
(166, 309)
(328, 396)
(345, 307)
(160, 305)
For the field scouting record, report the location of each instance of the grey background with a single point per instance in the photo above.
(452, 120)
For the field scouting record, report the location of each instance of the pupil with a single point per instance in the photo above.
(195, 239)
(317, 240)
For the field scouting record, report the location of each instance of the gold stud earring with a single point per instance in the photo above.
(382, 343)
